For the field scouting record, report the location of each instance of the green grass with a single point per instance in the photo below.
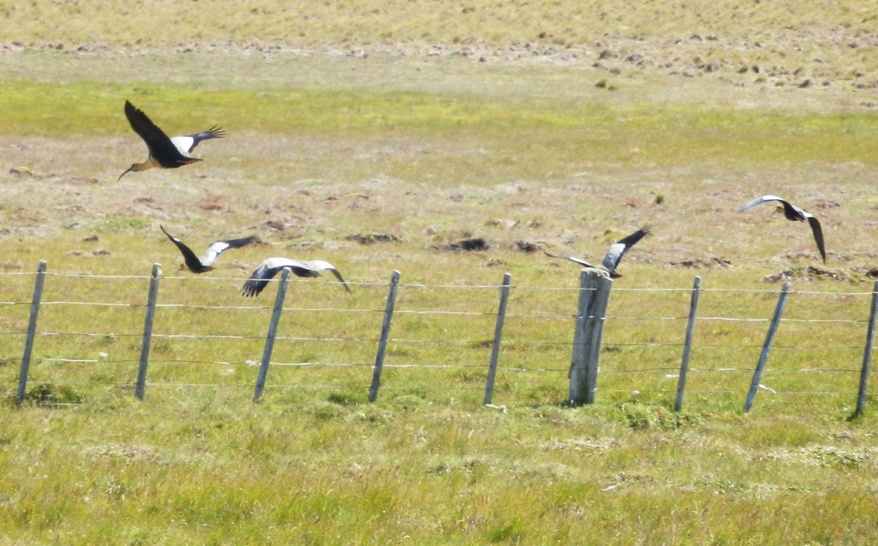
(533, 144)
(633, 136)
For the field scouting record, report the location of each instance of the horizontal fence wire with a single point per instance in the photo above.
(563, 313)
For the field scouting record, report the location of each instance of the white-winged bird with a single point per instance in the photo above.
(300, 268)
(205, 262)
(794, 213)
(614, 254)
(164, 152)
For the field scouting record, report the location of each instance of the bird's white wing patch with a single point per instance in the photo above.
(184, 144)
(614, 255)
(213, 252)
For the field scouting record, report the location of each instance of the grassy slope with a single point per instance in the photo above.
(432, 148)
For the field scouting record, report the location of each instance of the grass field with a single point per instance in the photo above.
(565, 125)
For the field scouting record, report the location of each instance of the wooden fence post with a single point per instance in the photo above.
(31, 332)
(594, 295)
(766, 347)
(140, 386)
(867, 353)
(385, 333)
(577, 359)
(272, 331)
(687, 345)
(498, 333)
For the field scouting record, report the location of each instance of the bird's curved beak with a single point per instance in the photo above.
(131, 168)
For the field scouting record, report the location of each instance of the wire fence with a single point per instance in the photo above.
(89, 331)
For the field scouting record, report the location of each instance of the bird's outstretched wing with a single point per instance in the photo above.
(818, 235)
(794, 213)
(271, 267)
(213, 251)
(186, 143)
(619, 248)
(583, 263)
(761, 200)
(192, 262)
(160, 146)
(320, 265)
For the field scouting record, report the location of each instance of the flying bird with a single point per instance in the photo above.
(794, 213)
(164, 152)
(300, 268)
(614, 254)
(205, 262)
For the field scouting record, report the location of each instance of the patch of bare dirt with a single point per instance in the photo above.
(702, 263)
(527, 246)
(466, 245)
(808, 274)
(372, 238)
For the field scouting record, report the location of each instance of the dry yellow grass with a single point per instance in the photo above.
(563, 124)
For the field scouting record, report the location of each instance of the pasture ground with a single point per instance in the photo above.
(551, 124)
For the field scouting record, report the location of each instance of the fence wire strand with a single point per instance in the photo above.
(480, 344)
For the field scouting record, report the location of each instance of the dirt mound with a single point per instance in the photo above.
(808, 274)
(372, 238)
(528, 247)
(467, 245)
(702, 263)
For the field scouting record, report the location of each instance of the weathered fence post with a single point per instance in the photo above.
(385, 334)
(766, 347)
(867, 353)
(498, 334)
(594, 295)
(272, 331)
(140, 387)
(687, 345)
(31, 331)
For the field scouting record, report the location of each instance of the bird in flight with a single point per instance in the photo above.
(300, 268)
(164, 152)
(794, 213)
(614, 254)
(205, 262)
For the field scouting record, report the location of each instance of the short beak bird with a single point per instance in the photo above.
(794, 213)
(164, 152)
(300, 268)
(205, 263)
(614, 254)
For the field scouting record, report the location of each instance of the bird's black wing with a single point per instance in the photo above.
(192, 262)
(160, 146)
(259, 280)
(340, 279)
(619, 248)
(238, 243)
(818, 235)
(213, 132)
